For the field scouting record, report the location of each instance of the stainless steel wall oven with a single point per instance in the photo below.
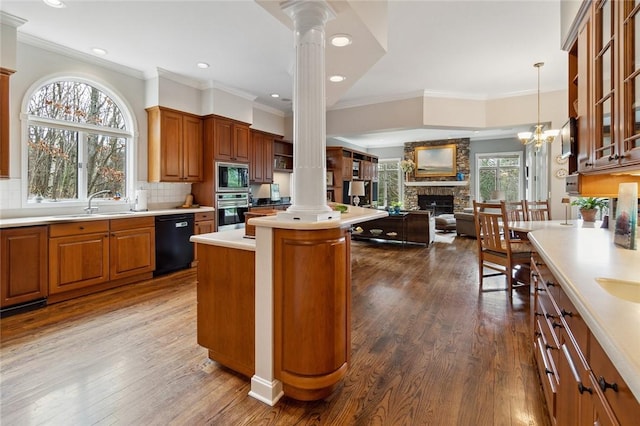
(230, 209)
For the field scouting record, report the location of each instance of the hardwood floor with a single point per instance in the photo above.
(428, 349)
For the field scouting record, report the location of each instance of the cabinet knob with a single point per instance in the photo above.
(604, 385)
(566, 313)
(550, 283)
(556, 325)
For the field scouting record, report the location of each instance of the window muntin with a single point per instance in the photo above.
(499, 172)
(389, 182)
(78, 143)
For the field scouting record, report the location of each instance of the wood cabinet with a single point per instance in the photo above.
(204, 223)
(226, 306)
(230, 140)
(347, 165)
(605, 76)
(132, 247)
(282, 156)
(261, 159)
(175, 150)
(78, 255)
(580, 384)
(5, 75)
(23, 265)
(311, 297)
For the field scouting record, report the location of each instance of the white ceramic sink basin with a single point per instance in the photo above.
(627, 290)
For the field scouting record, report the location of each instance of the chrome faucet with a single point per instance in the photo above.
(90, 209)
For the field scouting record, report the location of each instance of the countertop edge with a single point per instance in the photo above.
(51, 219)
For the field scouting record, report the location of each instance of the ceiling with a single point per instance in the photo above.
(465, 49)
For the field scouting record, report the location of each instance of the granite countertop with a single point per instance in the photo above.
(577, 256)
(46, 220)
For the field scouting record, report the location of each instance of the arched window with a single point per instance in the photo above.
(78, 142)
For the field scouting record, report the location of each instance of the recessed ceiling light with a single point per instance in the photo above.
(54, 3)
(98, 51)
(337, 78)
(275, 95)
(341, 40)
(202, 65)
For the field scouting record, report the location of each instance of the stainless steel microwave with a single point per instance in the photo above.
(232, 177)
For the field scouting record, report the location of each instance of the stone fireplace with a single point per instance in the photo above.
(440, 187)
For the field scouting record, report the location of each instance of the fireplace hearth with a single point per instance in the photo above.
(438, 204)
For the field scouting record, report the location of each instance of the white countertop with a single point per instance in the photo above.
(235, 239)
(577, 255)
(46, 220)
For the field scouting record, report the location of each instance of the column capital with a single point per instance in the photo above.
(308, 14)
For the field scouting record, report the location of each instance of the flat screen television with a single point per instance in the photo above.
(568, 138)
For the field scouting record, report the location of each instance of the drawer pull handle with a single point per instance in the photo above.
(547, 369)
(550, 283)
(581, 388)
(604, 385)
(81, 227)
(566, 313)
(548, 315)
(556, 325)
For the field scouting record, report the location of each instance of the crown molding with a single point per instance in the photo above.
(269, 109)
(11, 20)
(76, 54)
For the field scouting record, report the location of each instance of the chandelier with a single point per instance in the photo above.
(538, 137)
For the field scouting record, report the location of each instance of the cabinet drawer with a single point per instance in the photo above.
(204, 216)
(132, 223)
(624, 404)
(547, 376)
(575, 325)
(78, 228)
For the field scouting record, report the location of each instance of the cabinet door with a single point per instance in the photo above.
(222, 140)
(171, 155)
(241, 139)
(192, 149)
(256, 165)
(629, 148)
(267, 159)
(23, 275)
(585, 130)
(132, 252)
(78, 261)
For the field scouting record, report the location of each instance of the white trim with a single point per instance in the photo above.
(11, 20)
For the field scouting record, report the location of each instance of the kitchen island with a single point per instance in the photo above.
(300, 281)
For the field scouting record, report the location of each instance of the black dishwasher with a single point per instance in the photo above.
(174, 251)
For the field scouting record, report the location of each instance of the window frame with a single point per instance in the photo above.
(400, 181)
(480, 155)
(83, 130)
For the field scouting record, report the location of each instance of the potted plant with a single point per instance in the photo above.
(589, 206)
(396, 206)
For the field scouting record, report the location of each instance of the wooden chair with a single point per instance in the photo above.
(516, 211)
(538, 210)
(496, 249)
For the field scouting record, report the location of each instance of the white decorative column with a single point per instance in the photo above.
(309, 112)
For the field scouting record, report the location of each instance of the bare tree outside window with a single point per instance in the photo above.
(389, 180)
(499, 172)
(77, 142)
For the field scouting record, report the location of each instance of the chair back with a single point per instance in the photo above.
(516, 211)
(538, 210)
(492, 227)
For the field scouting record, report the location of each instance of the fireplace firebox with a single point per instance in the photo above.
(438, 204)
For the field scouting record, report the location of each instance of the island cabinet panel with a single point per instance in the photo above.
(311, 310)
(132, 247)
(226, 306)
(204, 223)
(23, 276)
(78, 255)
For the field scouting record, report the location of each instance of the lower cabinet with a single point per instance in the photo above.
(85, 257)
(204, 223)
(78, 255)
(131, 247)
(23, 265)
(580, 383)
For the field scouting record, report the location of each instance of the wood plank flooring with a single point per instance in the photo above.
(428, 349)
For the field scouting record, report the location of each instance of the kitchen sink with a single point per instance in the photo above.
(627, 290)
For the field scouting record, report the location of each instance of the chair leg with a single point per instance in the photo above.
(481, 270)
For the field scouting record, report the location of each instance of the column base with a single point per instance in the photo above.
(266, 391)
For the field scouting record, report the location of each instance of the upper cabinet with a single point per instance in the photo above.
(261, 158)
(230, 140)
(603, 92)
(282, 156)
(175, 146)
